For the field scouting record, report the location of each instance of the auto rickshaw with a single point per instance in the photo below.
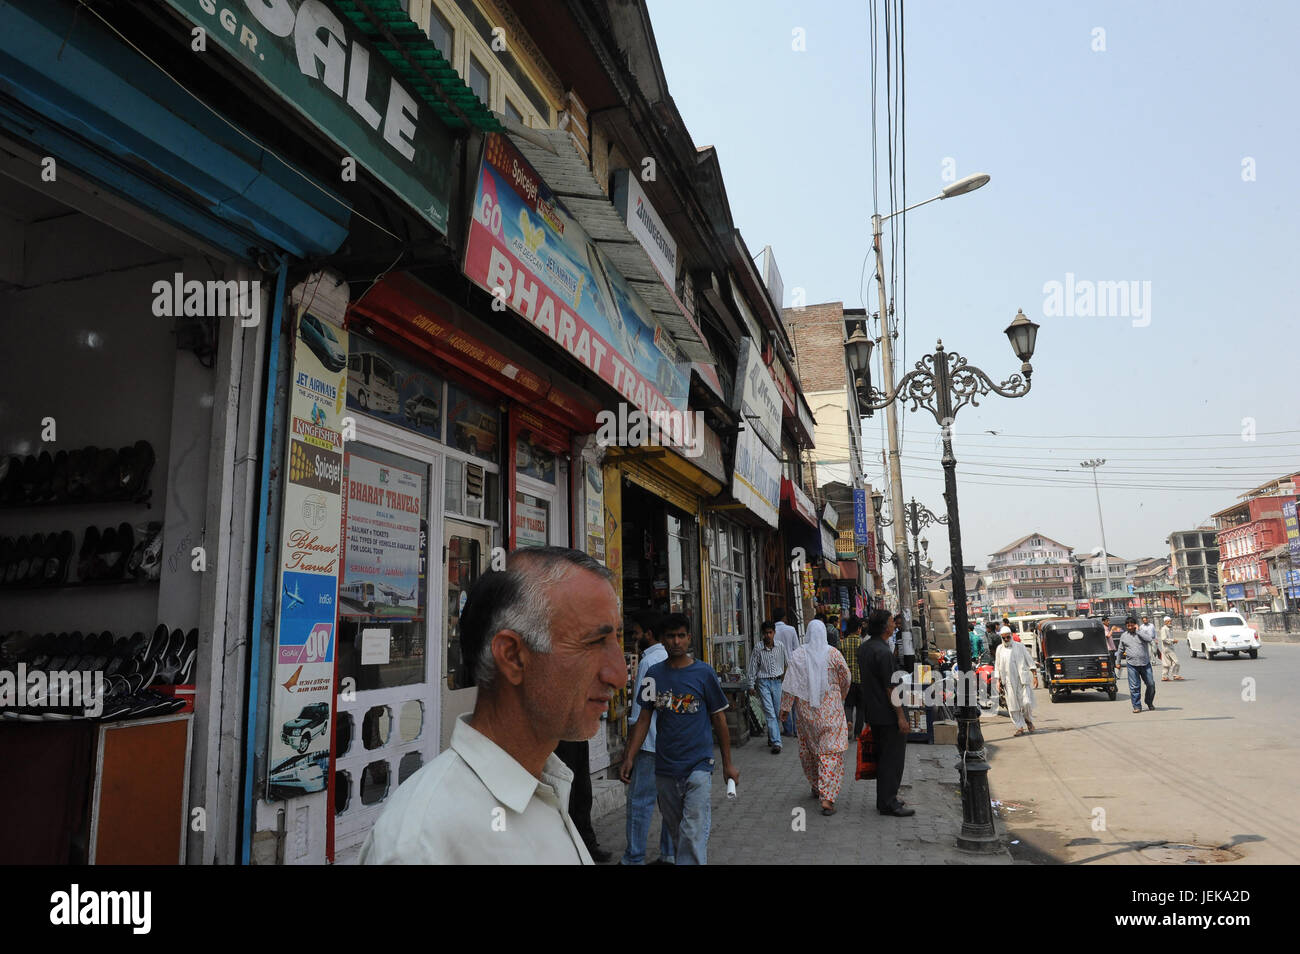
(1073, 654)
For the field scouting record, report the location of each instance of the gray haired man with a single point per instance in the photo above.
(544, 637)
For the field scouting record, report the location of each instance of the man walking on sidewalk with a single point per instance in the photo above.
(642, 792)
(1137, 646)
(688, 699)
(766, 671)
(889, 727)
(853, 701)
(1168, 658)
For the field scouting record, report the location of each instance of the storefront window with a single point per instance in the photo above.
(532, 460)
(728, 633)
(473, 426)
(681, 568)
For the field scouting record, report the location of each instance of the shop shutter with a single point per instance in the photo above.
(661, 486)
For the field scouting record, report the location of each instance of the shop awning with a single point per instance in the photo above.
(405, 312)
(796, 503)
(552, 154)
(410, 52)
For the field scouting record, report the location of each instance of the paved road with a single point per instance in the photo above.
(1209, 767)
(776, 822)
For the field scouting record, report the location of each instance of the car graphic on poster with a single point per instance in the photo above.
(312, 723)
(421, 409)
(324, 344)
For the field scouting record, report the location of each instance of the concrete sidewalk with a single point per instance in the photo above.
(775, 821)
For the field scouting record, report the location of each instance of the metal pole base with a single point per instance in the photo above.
(977, 832)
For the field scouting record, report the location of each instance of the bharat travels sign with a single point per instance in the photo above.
(525, 249)
(326, 69)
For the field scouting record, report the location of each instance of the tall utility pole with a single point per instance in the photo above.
(891, 428)
(1092, 465)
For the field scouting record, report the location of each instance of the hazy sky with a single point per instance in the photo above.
(1166, 159)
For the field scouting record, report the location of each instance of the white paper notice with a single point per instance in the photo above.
(375, 646)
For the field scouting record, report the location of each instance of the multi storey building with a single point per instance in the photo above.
(1247, 532)
(1034, 574)
(1194, 564)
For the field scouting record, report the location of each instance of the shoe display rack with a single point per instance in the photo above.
(87, 475)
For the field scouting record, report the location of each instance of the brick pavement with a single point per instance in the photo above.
(758, 827)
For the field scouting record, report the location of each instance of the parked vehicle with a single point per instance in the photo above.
(1026, 627)
(1214, 633)
(312, 723)
(320, 338)
(372, 382)
(1074, 654)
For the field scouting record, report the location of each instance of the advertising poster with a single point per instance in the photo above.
(383, 384)
(474, 426)
(524, 247)
(859, 516)
(1292, 530)
(595, 512)
(756, 481)
(301, 730)
(530, 523)
(381, 563)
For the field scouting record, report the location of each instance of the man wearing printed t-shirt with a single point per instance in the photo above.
(687, 698)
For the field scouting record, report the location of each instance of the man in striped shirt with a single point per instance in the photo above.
(766, 670)
(849, 644)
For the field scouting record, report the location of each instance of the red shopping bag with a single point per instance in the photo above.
(866, 755)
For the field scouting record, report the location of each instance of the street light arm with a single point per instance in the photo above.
(967, 384)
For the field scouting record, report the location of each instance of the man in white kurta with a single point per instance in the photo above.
(1017, 677)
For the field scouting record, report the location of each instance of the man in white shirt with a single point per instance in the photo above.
(543, 638)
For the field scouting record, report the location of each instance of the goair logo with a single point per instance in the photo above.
(632, 427)
(179, 298)
(37, 693)
(74, 906)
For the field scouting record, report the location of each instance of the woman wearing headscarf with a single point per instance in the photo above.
(816, 682)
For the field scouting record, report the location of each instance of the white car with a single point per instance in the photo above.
(1213, 633)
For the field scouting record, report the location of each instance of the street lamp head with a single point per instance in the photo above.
(925, 546)
(877, 501)
(968, 184)
(858, 348)
(1023, 335)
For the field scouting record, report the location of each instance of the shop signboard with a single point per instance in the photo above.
(1292, 530)
(645, 225)
(799, 501)
(806, 420)
(525, 249)
(381, 561)
(860, 515)
(308, 575)
(530, 524)
(785, 385)
(757, 399)
(756, 478)
(326, 69)
(1234, 591)
(871, 552)
(828, 547)
(772, 277)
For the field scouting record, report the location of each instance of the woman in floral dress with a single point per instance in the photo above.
(816, 682)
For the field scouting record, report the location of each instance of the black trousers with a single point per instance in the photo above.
(853, 713)
(575, 756)
(891, 746)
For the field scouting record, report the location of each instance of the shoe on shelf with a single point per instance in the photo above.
(44, 474)
(79, 462)
(56, 565)
(58, 492)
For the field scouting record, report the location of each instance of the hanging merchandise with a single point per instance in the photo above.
(809, 588)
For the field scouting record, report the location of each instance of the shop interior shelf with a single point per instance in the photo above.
(141, 499)
(123, 582)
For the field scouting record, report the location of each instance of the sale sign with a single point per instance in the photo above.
(526, 249)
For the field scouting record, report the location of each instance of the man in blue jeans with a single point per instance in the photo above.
(766, 670)
(687, 698)
(1136, 645)
(642, 792)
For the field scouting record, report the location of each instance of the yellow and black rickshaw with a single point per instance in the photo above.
(1073, 654)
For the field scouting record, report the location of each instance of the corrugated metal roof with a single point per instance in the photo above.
(420, 64)
(559, 164)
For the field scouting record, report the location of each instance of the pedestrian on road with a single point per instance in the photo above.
(815, 687)
(983, 635)
(833, 632)
(788, 637)
(767, 665)
(642, 791)
(1168, 658)
(1136, 646)
(849, 650)
(688, 699)
(976, 646)
(542, 640)
(1015, 669)
(1147, 628)
(884, 712)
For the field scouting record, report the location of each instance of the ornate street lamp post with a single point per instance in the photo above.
(943, 383)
